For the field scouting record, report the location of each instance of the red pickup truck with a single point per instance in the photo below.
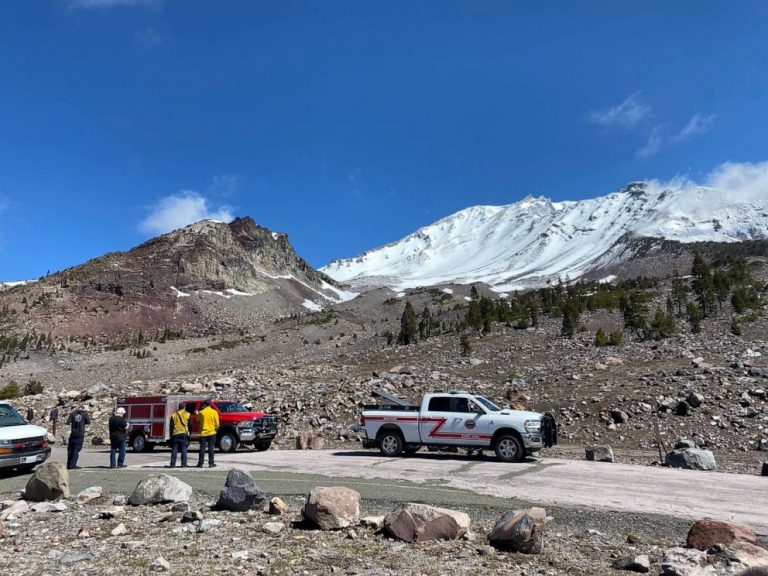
(149, 422)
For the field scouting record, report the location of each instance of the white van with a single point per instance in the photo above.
(22, 445)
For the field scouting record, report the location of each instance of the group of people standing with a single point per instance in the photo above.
(207, 421)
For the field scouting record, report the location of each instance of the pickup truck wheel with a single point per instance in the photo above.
(391, 444)
(411, 450)
(262, 446)
(508, 448)
(227, 442)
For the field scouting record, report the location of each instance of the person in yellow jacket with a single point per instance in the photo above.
(208, 423)
(179, 435)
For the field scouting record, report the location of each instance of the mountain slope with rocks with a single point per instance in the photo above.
(188, 279)
(533, 241)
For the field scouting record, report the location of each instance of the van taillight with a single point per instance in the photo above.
(362, 420)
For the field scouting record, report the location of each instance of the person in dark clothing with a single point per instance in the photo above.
(118, 426)
(30, 414)
(54, 416)
(78, 419)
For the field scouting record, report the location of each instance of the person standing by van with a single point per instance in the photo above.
(78, 419)
(208, 422)
(180, 435)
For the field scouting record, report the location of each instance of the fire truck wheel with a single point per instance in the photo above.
(508, 448)
(391, 443)
(227, 442)
(139, 443)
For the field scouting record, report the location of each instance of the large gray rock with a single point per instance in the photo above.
(160, 489)
(691, 459)
(640, 564)
(682, 562)
(599, 454)
(520, 531)
(332, 508)
(241, 493)
(49, 482)
(419, 523)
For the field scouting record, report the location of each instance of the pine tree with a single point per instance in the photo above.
(600, 338)
(408, 326)
(425, 324)
(662, 326)
(694, 317)
(679, 292)
(571, 318)
(703, 285)
(722, 285)
(466, 347)
(735, 327)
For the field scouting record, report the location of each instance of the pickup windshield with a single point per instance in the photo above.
(487, 403)
(230, 407)
(9, 416)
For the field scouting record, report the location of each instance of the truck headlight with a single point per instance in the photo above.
(532, 425)
(245, 424)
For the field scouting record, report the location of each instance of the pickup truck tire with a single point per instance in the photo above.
(262, 446)
(391, 443)
(228, 442)
(411, 450)
(508, 448)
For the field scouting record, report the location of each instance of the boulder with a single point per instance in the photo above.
(691, 459)
(332, 508)
(159, 489)
(49, 482)
(46, 507)
(694, 400)
(317, 443)
(600, 454)
(764, 471)
(92, 493)
(613, 361)
(619, 416)
(13, 511)
(304, 441)
(706, 533)
(420, 523)
(750, 556)
(520, 531)
(277, 506)
(682, 562)
(683, 408)
(273, 528)
(641, 564)
(241, 493)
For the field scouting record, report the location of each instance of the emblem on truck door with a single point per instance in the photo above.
(470, 424)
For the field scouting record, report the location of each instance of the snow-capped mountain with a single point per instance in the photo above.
(529, 242)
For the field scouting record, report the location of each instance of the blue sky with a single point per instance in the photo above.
(351, 124)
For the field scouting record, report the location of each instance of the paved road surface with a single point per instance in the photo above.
(681, 493)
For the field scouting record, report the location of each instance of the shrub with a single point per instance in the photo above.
(616, 338)
(735, 327)
(10, 391)
(466, 347)
(33, 387)
(600, 338)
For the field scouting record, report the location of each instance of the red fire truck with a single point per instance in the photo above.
(149, 422)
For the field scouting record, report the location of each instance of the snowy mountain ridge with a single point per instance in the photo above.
(525, 244)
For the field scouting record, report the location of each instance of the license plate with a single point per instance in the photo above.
(30, 459)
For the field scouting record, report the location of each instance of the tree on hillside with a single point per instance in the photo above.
(679, 292)
(571, 318)
(409, 329)
(703, 285)
(425, 324)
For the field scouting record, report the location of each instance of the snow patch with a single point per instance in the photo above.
(179, 293)
(235, 292)
(400, 295)
(343, 295)
(608, 279)
(313, 306)
(447, 290)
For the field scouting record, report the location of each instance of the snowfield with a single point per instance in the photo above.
(524, 244)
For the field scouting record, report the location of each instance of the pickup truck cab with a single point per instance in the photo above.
(453, 419)
(22, 445)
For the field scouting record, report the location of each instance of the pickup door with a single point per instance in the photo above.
(454, 420)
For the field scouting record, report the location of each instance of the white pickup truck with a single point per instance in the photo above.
(454, 419)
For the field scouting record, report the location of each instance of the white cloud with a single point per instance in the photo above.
(698, 124)
(225, 184)
(625, 115)
(149, 38)
(112, 3)
(652, 145)
(179, 210)
(745, 181)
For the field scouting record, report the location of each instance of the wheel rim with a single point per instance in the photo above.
(227, 442)
(508, 448)
(138, 443)
(390, 444)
